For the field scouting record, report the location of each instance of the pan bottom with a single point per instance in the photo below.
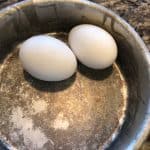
(83, 112)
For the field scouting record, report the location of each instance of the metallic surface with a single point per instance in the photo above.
(85, 111)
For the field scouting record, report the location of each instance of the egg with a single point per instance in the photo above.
(93, 46)
(47, 58)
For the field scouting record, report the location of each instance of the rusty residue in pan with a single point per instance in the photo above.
(82, 112)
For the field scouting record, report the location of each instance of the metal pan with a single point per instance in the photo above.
(94, 109)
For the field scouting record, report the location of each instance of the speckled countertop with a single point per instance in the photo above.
(135, 12)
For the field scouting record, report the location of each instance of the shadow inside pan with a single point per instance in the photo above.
(49, 86)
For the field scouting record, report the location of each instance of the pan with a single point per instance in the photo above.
(93, 109)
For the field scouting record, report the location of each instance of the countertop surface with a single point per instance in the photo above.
(135, 12)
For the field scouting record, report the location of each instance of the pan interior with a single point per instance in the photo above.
(83, 112)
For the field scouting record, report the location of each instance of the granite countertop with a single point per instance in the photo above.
(135, 12)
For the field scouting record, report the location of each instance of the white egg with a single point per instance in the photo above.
(47, 58)
(93, 46)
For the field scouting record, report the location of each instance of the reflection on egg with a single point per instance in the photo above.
(47, 58)
(93, 46)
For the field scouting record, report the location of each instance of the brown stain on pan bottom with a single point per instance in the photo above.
(83, 112)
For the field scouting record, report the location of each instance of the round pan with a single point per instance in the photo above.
(94, 109)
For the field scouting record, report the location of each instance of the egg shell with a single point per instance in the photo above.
(47, 58)
(93, 46)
